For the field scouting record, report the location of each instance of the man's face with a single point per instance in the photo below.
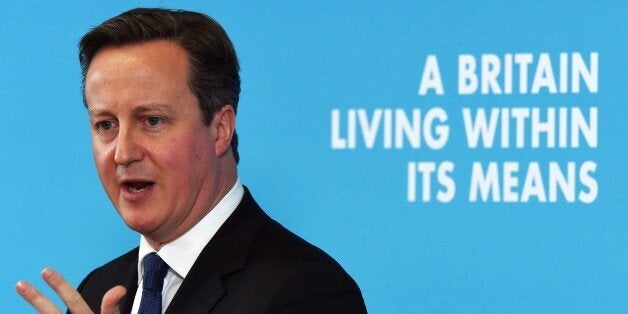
(156, 158)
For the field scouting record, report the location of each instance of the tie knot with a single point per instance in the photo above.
(155, 270)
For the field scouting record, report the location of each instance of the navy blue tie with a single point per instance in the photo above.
(155, 270)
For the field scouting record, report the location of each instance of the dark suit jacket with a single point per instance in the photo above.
(252, 265)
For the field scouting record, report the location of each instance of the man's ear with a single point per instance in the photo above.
(224, 121)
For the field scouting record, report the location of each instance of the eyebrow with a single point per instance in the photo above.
(152, 108)
(141, 109)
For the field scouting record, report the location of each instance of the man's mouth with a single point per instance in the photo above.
(137, 186)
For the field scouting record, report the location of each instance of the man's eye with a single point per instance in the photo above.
(154, 121)
(104, 125)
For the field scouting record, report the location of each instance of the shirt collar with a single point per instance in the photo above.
(181, 253)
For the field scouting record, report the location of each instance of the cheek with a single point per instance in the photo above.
(173, 160)
(104, 163)
(188, 160)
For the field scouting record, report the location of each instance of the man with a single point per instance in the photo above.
(162, 88)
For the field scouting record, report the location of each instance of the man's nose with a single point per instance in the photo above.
(128, 149)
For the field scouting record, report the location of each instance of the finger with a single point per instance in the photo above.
(111, 300)
(35, 298)
(68, 294)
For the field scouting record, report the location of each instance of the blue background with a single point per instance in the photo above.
(299, 61)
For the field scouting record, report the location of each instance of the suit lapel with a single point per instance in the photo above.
(225, 254)
(198, 294)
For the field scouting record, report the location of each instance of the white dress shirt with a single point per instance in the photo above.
(181, 253)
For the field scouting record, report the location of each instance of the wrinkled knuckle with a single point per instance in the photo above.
(73, 300)
(28, 291)
(31, 292)
(53, 280)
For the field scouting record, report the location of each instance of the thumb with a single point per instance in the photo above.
(111, 300)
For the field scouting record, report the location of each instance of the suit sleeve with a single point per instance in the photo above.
(317, 287)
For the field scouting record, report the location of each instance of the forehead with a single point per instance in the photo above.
(164, 54)
(143, 71)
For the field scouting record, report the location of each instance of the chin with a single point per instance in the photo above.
(138, 221)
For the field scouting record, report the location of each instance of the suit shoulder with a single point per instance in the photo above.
(300, 276)
(282, 254)
(280, 243)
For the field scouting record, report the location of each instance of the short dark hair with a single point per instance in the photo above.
(214, 77)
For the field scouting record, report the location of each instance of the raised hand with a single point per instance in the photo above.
(68, 294)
